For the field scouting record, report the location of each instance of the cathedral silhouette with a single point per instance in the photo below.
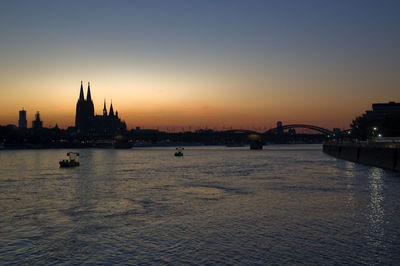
(89, 124)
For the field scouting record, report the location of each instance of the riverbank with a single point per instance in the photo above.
(383, 155)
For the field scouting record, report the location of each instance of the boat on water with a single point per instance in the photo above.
(256, 142)
(256, 145)
(179, 151)
(72, 160)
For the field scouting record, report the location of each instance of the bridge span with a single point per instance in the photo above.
(284, 127)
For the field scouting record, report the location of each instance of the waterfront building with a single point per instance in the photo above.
(382, 121)
(37, 123)
(89, 124)
(380, 110)
(22, 123)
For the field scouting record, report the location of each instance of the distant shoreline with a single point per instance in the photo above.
(175, 144)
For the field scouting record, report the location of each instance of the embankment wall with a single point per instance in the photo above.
(384, 156)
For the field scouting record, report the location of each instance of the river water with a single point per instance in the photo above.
(286, 204)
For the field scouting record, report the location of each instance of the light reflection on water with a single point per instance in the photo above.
(376, 215)
(349, 173)
(282, 205)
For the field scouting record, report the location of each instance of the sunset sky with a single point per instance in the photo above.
(220, 64)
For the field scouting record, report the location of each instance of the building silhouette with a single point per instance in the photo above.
(22, 123)
(383, 120)
(89, 124)
(380, 110)
(84, 111)
(37, 123)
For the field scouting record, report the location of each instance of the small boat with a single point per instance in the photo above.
(72, 161)
(179, 151)
(256, 142)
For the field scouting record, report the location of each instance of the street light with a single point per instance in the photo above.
(374, 132)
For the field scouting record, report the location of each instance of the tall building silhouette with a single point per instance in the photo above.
(89, 124)
(37, 123)
(22, 123)
(84, 111)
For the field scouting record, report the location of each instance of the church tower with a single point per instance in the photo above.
(79, 107)
(111, 114)
(84, 111)
(89, 103)
(105, 109)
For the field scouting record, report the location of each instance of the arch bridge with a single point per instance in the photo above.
(316, 128)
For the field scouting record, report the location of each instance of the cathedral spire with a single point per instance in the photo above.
(89, 96)
(111, 110)
(81, 97)
(105, 108)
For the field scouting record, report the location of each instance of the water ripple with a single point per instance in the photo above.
(282, 205)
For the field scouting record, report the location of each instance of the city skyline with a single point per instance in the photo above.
(202, 64)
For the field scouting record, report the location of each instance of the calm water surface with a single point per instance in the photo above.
(216, 205)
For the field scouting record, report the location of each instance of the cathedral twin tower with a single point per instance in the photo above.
(84, 109)
(87, 123)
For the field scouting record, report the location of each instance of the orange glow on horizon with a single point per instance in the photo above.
(174, 115)
(186, 103)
